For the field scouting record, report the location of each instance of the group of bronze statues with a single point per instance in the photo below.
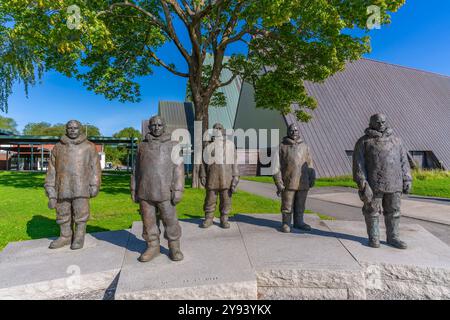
(380, 169)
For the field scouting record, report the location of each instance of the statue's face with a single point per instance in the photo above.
(218, 130)
(378, 122)
(73, 129)
(156, 127)
(294, 133)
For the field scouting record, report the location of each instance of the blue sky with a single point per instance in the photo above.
(418, 37)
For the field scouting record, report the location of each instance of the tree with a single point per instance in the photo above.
(108, 44)
(8, 124)
(56, 130)
(129, 132)
(119, 155)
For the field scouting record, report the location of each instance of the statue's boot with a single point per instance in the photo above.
(65, 237)
(224, 221)
(175, 253)
(373, 231)
(299, 223)
(80, 233)
(286, 223)
(392, 231)
(209, 220)
(151, 252)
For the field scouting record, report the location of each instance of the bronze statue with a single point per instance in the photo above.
(382, 172)
(219, 175)
(157, 184)
(73, 177)
(294, 176)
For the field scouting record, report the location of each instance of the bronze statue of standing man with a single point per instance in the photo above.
(157, 185)
(73, 177)
(294, 176)
(382, 172)
(219, 175)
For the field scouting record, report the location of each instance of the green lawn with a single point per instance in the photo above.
(24, 214)
(425, 183)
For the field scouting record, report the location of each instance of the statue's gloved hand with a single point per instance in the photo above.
(234, 184)
(52, 203)
(203, 181)
(407, 185)
(133, 197)
(93, 191)
(176, 197)
(280, 188)
(312, 177)
(365, 192)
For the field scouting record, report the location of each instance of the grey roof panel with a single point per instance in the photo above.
(416, 102)
(225, 115)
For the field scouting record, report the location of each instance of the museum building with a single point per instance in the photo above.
(416, 103)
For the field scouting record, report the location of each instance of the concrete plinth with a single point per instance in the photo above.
(299, 265)
(216, 266)
(251, 260)
(29, 270)
(420, 272)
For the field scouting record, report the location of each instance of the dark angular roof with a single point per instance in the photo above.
(417, 104)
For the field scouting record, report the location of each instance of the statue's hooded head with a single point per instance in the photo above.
(378, 122)
(218, 130)
(293, 132)
(157, 126)
(73, 129)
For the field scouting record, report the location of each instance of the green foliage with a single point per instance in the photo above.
(56, 130)
(113, 43)
(118, 155)
(8, 124)
(129, 132)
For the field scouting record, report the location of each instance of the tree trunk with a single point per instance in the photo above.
(201, 114)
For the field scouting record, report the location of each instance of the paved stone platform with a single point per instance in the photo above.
(435, 212)
(251, 260)
(29, 270)
(420, 272)
(299, 265)
(215, 266)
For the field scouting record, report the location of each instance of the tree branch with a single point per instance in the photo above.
(152, 17)
(224, 84)
(172, 33)
(165, 65)
(178, 10)
(188, 8)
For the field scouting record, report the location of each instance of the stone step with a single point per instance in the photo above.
(251, 260)
(216, 266)
(299, 265)
(29, 270)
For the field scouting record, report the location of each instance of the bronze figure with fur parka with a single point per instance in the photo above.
(157, 184)
(219, 174)
(382, 172)
(294, 175)
(73, 177)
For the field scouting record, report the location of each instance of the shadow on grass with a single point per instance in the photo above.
(111, 184)
(43, 227)
(22, 180)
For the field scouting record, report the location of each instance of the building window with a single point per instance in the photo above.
(349, 154)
